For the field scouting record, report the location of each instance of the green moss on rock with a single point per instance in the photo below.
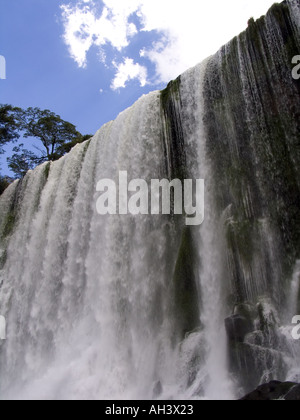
(186, 299)
(9, 224)
(170, 92)
(252, 126)
(47, 169)
(172, 131)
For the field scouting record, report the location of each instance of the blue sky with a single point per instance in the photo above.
(88, 60)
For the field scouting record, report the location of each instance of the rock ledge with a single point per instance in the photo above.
(275, 390)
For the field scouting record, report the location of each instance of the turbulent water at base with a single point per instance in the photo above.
(144, 307)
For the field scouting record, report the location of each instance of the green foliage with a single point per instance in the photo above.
(49, 128)
(10, 122)
(4, 183)
(66, 147)
(56, 137)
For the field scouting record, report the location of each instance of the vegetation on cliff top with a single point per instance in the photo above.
(53, 136)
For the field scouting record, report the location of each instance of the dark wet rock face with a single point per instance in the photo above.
(275, 390)
(251, 118)
(237, 327)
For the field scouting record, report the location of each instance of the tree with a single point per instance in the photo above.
(4, 183)
(66, 148)
(50, 129)
(22, 161)
(10, 124)
(56, 138)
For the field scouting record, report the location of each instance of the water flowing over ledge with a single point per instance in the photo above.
(144, 307)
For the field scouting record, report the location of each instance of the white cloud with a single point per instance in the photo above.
(78, 36)
(83, 27)
(194, 29)
(189, 30)
(128, 70)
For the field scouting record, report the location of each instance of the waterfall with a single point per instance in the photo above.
(145, 307)
(252, 135)
(213, 375)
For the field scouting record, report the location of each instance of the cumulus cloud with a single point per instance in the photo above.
(128, 70)
(84, 28)
(186, 32)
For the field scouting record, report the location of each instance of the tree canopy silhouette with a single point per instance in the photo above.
(10, 123)
(53, 136)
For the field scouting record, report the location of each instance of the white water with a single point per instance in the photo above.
(213, 376)
(87, 297)
(294, 292)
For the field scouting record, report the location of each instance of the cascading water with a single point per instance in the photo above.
(133, 307)
(213, 376)
(252, 134)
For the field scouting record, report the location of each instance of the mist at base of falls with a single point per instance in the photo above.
(145, 307)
